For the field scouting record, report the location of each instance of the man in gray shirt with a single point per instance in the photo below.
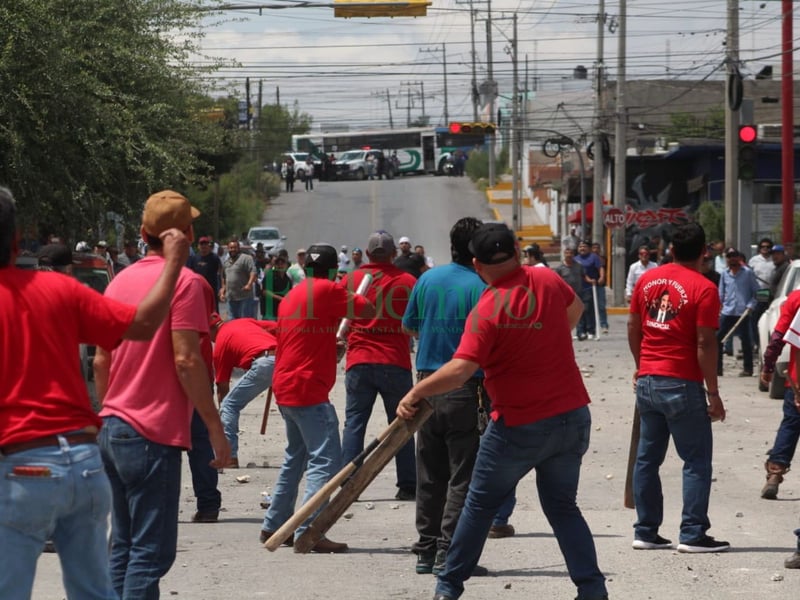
(571, 271)
(239, 276)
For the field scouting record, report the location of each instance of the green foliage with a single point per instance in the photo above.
(275, 130)
(100, 107)
(778, 231)
(711, 215)
(688, 125)
(477, 166)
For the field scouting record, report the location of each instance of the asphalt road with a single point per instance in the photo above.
(226, 560)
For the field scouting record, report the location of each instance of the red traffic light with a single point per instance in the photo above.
(455, 127)
(748, 134)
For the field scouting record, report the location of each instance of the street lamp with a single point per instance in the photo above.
(554, 146)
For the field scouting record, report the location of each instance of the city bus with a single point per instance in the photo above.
(419, 150)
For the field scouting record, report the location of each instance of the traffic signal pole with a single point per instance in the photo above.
(490, 73)
(732, 129)
(787, 129)
(745, 214)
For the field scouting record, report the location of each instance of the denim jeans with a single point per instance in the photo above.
(242, 309)
(257, 379)
(788, 433)
(506, 508)
(744, 331)
(553, 447)
(70, 506)
(672, 407)
(204, 477)
(363, 383)
(587, 324)
(146, 483)
(313, 447)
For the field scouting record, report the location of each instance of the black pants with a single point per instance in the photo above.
(744, 331)
(204, 476)
(447, 445)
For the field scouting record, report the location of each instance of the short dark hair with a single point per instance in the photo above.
(688, 242)
(460, 236)
(8, 225)
(153, 242)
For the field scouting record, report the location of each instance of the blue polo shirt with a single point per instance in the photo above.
(440, 303)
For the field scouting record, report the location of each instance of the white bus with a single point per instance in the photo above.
(419, 149)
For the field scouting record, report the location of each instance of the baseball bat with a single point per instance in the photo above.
(632, 451)
(326, 491)
(596, 313)
(735, 326)
(266, 411)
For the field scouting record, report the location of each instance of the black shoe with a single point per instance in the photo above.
(659, 543)
(706, 544)
(501, 531)
(746, 374)
(439, 561)
(407, 494)
(49, 547)
(205, 517)
(442, 597)
(425, 562)
(793, 562)
(581, 337)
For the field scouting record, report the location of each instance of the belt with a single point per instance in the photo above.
(265, 353)
(74, 439)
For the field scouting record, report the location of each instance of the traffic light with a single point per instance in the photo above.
(481, 127)
(746, 167)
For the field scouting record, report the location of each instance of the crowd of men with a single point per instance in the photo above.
(506, 393)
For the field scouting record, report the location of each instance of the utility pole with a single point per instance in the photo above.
(388, 97)
(443, 50)
(492, 94)
(618, 274)
(599, 158)
(409, 105)
(787, 128)
(732, 127)
(516, 212)
(420, 93)
(475, 96)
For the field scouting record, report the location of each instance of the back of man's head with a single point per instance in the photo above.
(688, 242)
(460, 236)
(8, 225)
(323, 260)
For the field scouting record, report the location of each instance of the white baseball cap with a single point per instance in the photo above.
(404, 240)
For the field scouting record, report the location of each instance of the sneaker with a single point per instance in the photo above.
(659, 543)
(407, 494)
(706, 544)
(793, 562)
(425, 562)
(501, 531)
(582, 337)
(439, 561)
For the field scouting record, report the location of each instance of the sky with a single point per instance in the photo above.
(340, 71)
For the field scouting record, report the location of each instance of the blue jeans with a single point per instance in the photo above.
(788, 433)
(554, 448)
(257, 379)
(70, 506)
(601, 306)
(313, 447)
(506, 508)
(146, 483)
(363, 383)
(677, 408)
(242, 309)
(204, 477)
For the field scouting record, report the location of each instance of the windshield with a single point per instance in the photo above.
(352, 155)
(264, 234)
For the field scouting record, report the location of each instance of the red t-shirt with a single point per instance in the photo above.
(238, 342)
(672, 302)
(206, 347)
(44, 317)
(143, 385)
(789, 309)
(520, 335)
(381, 340)
(305, 361)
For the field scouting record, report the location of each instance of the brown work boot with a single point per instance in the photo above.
(326, 546)
(774, 479)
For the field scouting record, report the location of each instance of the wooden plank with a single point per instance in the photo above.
(362, 477)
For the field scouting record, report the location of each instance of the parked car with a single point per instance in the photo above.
(766, 324)
(353, 164)
(300, 159)
(270, 238)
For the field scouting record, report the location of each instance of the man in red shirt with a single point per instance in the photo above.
(249, 345)
(47, 426)
(785, 445)
(671, 333)
(378, 358)
(519, 333)
(305, 371)
(148, 393)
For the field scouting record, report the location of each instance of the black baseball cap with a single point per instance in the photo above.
(323, 255)
(493, 243)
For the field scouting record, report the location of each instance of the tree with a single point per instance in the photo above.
(275, 129)
(687, 125)
(711, 216)
(100, 106)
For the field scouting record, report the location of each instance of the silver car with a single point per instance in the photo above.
(766, 324)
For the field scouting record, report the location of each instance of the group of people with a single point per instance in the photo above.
(506, 394)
